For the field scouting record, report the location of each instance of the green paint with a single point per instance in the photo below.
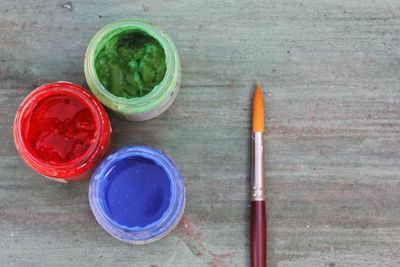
(130, 64)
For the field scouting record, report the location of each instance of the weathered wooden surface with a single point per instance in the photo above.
(333, 107)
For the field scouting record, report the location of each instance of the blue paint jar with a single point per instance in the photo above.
(137, 194)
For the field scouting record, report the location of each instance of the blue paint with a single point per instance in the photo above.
(137, 194)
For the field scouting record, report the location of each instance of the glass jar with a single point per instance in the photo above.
(61, 131)
(137, 194)
(160, 97)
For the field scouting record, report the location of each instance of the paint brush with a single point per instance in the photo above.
(258, 218)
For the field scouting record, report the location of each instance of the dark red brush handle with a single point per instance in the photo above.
(258, 234)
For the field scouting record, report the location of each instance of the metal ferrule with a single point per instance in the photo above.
(257, 186)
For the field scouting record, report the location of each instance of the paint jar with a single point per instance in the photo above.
(61, 131)
(137, 194)
(133, 68)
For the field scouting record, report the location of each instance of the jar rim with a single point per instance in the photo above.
(77, 165)
(154, 230)
(157, 95)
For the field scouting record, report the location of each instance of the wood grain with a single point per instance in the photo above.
(332, 118)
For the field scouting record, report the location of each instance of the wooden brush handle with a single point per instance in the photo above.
(258, 245)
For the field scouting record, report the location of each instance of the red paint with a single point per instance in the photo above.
(61, 131)
(258, 243)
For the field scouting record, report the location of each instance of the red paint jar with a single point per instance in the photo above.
(62, 131)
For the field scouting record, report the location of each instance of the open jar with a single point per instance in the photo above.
(133, 68)
(61, 131)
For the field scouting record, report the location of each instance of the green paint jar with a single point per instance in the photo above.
(133, 68)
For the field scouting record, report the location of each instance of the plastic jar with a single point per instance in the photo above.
(137, 194)
(160, 97)
(61, 131)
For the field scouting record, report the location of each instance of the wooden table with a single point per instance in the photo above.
(333, 132)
